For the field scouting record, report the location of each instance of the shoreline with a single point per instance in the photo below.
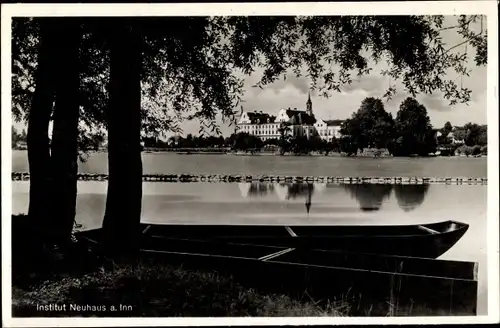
(230, 153)
(80, 283)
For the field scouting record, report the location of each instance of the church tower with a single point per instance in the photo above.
(309, 105)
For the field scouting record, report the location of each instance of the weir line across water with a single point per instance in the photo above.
(24, 176)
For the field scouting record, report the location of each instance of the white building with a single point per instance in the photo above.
(329, 129)
(300, 123)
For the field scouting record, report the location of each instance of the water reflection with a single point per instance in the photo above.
(409, 197)
(260, 189)
(298, 190)
(370, 197)
(285, 191)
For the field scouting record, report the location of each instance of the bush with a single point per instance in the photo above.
(464, 150)
(348, 146)
(476, 150)
(449, 150)
(484, 150)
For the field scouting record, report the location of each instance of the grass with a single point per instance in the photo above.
(143, 287)
(154, 290)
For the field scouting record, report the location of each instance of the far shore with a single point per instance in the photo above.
(269, 153)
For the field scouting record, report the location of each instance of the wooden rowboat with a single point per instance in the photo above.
(376, 264)
(425, 240)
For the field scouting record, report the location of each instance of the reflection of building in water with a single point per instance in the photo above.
(281, 190)
(260, 189)
(284, 191)
(244, 188)
(254, 189)
(299, 190)
(288, 191)
(369, 196)
(409, 197)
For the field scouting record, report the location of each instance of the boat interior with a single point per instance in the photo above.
(274, 231)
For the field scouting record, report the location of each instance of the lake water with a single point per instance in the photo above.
(268, 203)
(171, 163)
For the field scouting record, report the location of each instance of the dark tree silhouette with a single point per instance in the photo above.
(38, 124)
(64, 149)
(124, 197)
(414, 133)
(370, 126)
(245, 141)
(447, 128)
(475, 134)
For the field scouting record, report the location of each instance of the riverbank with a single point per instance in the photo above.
(47, 283)
(145, 289)
(225, 151)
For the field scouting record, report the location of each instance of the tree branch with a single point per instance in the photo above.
(457, 45)
(448, 28)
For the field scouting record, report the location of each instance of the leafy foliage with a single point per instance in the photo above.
(370, 126)
(475, 134)
(197, 142)
(244, 141)
(414, 133)
(447, 128)
(285, 138)
(194, 66)
(333, 49)
(445, 131)
(348, 145)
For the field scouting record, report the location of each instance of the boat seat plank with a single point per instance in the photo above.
(429, 230)
(290, 231)
(276, 254)
(146, 229)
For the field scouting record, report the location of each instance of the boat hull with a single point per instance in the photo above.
(427, 241)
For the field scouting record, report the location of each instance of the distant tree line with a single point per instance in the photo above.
(410, 133)
(469, 140)
(189, 141)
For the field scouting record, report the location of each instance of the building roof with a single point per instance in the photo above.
(333, 122)
(260, 117)
(300, 117)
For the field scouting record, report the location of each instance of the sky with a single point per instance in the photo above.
(293, 92)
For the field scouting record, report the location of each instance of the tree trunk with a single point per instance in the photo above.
(64, 151)
(124, 198)
(38, 126)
